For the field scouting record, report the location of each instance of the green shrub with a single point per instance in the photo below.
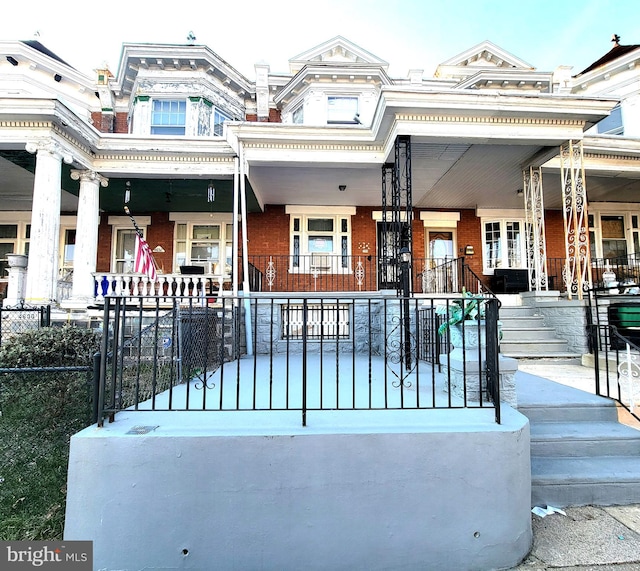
(39, 413)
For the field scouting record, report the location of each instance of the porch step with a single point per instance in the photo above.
(524, 336)
(584, 439)
(581, 481)
(580, 453)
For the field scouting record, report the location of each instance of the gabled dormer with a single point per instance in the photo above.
(488, 66)
(179, 90)
(335, 83)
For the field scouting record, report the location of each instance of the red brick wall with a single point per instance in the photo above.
(104, 245)
(110, 123)
(268, 232)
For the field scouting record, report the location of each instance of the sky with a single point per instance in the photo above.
(408, 34)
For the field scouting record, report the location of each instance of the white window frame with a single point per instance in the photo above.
(118, 223)
(627, 211)
(22, 221)
(174, 128)
(67, 223)
(218, 117)
(503, 222)
(342, 116)
(613, 124)
(221, 267)
(310, 262)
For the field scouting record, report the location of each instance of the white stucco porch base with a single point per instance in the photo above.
(412, 489)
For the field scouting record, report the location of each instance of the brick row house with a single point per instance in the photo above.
(316, 178)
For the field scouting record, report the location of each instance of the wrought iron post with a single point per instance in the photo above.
(577, 271)
(405, 261)
(534, 227)
(402, 207)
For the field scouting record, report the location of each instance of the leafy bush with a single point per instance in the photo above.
(39, 413)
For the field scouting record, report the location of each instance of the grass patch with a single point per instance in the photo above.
(39, 413)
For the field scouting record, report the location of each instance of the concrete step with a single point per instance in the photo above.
(533, 333)
(584, 439)
(539, 347)
(507, 312)
(579, 481)
(524, 322)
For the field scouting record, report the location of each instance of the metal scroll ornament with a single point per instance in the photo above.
(401, 354)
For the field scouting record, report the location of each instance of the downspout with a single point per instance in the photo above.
(245, 254)
(234, 246)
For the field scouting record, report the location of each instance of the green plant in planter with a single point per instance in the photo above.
(470, 307)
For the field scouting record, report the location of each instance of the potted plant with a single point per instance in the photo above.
(468, 308)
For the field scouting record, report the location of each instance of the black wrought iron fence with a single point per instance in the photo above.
(18, 319)
(305, 353)
(73, 388)
(613, 320)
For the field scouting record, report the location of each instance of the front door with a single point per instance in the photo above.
(440, 273)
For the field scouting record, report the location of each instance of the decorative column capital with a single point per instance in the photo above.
(89, 176)
(50, 147)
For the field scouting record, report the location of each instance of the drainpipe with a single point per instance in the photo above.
(245, 255)
(234, 246)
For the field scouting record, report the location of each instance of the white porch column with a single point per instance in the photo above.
(42, 273)
(86, 250)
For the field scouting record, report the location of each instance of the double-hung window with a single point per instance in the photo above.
(168, 117)
(320, 239)
(14, 239)
(203, 243)
(503, 244)
(342, 109)
(612, 124)
(218, 119)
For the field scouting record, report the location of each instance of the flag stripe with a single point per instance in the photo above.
(144, 262)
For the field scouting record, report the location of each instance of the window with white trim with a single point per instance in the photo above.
(168, 117)
(612, 124)
(124, 242)
(320, 242)
(14, 239)
(297, 117)
(208, 245)
(503, 244)
(218, 119)
(342, 109)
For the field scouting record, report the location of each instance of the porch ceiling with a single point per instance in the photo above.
(444, 175)
(147, 194)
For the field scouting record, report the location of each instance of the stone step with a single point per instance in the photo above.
(578, 481)
(586, 439)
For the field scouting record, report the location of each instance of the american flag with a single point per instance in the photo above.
(144, 262)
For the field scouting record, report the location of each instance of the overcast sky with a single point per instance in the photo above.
(409, 34)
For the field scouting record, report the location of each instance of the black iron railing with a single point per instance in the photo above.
(613, 321)
(303, 353)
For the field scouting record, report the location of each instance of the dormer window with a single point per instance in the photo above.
(612, 125)
(297, 117)
(168, 117)
(218, 119)
(342, 109)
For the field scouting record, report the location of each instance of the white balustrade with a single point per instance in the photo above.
(166, 286)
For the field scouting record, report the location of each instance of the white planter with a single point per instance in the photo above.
(17, 260)
(474, 334)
